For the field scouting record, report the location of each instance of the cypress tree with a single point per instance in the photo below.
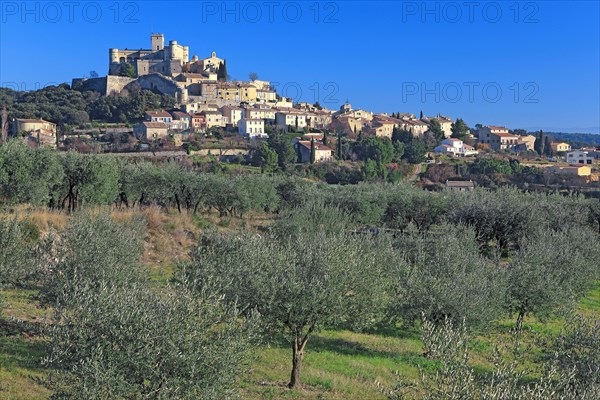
(222, 71)
(548, 146)
(313, 152)
(540, 143)
(298, 153)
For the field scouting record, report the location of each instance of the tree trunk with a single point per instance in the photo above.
(123, 198)
(297, 355)
(196, 208)
(519, 324)
(522, 311)
(178, 204)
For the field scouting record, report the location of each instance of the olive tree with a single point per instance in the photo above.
(364, 203)
(297, 284)
(89, 179)
(551, 270)
(594, 213)
(313, 216)
(577, 349)
(456, 379)
(115, 335)
(15, 253)
(500, 218)
(408, 205)
(94, 248)
(29, 175)
(446, 277)
(144, 343)
(226, 196)
(137, 183)
(16, 261)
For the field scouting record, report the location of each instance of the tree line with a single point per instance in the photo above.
(69, 108)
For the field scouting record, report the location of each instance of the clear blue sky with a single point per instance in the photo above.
(520, 64)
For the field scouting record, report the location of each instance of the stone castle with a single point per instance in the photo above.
(164, 60)
(165, 69)
(170, 60)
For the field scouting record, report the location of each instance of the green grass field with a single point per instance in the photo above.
(337, 364)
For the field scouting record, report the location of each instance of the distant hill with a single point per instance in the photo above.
(576, 139)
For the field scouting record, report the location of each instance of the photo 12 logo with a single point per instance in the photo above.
(270, 11)
(470, 11)
(324, 93)
(53, 12)
(470, 92)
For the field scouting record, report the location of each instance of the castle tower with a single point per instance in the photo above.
(158, 41)
(113, 56)
(183, 96)
(176, 50)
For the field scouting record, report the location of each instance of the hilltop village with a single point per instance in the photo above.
(209, 114)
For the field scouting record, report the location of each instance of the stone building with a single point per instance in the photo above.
(560, 147)
(445, 123)
(290, 118)
(498, 138)
(206, 65)
(319, 119)
(33, 126)
(38, 131)
(252, 128)
(526, 143)
(322, 152)
(460, 186)
(166, 60)
(151, 130)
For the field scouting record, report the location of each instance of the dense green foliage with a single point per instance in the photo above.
(15, 254)
(130, 108)
(576, 139)
(459, 129)
(281, 143)
(112, 335)
(266, 158)
(29, 175)
(353, 257)
(538, 280)
(72, 260)
(297, 283)
(59, 104)
(446, 277)
(70, 108)
(494, 166)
